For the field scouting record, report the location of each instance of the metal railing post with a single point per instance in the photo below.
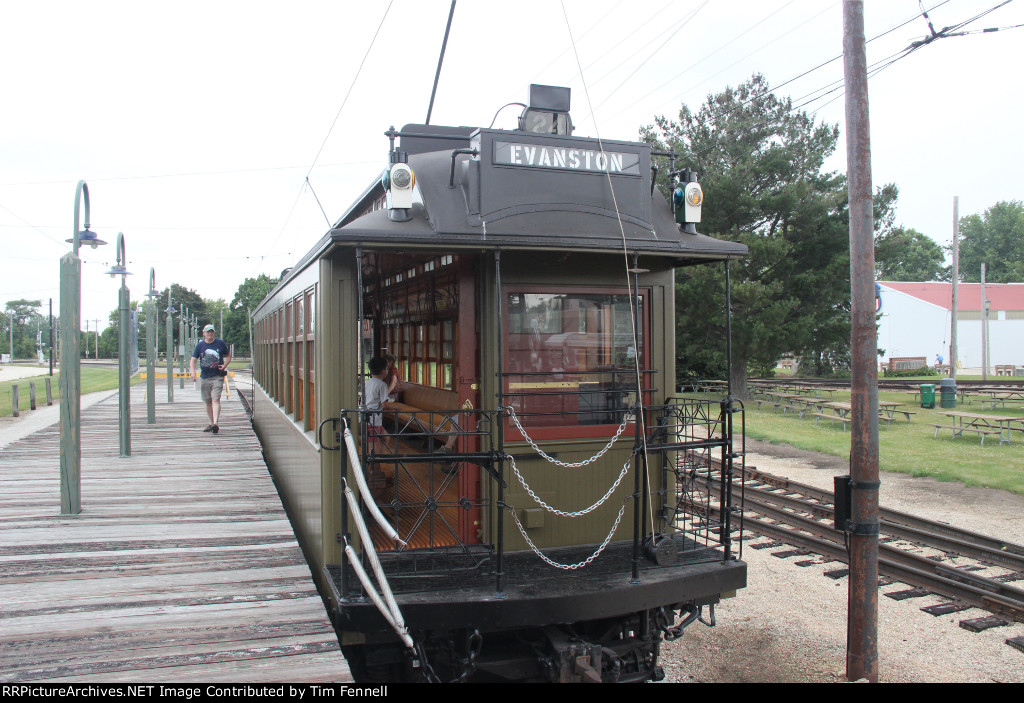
(500, 453)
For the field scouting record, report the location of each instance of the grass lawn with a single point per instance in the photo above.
(907, 447)
(93, 379)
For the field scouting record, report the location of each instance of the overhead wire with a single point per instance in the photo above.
(187, 174)
(776, 87)
(657, 13)
(723, 46)
(885, 63)
(833, 86)
(629, 284)
(305, 182)
(553, 61)
(670, 27)
(686, 21)
(352, 85)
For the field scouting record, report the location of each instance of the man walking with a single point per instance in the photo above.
(214, 357)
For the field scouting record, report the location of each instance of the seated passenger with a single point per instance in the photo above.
(393, 379)
(375, 396)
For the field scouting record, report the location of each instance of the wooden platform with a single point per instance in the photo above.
(181, 567)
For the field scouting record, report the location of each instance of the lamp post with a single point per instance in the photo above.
(170, 347)
(152, 325)
(123, 371)
(70, 365)
(181, 340)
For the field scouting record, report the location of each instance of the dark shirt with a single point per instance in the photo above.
(210, 356)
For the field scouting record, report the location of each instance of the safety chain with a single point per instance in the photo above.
(426, 670)
(578, 513)
(569, 567)
(690, 613)
(474, 643)
(569, 465)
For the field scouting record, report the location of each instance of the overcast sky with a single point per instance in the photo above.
(196, 124)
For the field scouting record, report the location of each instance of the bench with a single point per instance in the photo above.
(980, 431)
(795, 408)
(885, 415)
(427, 411)
(830, 416)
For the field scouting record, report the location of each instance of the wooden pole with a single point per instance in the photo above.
(862, 628)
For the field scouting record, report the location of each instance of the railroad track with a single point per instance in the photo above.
(802, 516)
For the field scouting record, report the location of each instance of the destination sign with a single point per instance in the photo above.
(570, 159)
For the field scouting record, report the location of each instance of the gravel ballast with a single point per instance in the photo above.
(789, 624)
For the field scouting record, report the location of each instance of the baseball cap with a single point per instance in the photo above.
(209, 328)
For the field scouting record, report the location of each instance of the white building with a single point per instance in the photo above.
(915, 321)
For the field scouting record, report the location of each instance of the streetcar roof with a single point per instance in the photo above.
(492, 202)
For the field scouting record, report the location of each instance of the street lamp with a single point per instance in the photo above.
(170, 347)
(181, 340)
(152, 325)
(123, 370)
(70, 364)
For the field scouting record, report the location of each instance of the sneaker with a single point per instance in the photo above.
(214, 429)
(209, 428)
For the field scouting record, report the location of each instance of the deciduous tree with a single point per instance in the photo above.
(996, 240)
(250, 293)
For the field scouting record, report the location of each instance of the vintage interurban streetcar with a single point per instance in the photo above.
(538, 503)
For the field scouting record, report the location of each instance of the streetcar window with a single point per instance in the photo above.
(571, 358)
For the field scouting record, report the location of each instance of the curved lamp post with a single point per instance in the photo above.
(152, 328)
(70, 365)
(170, 347)
(123, 371)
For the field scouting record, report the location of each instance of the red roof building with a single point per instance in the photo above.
(916, 321)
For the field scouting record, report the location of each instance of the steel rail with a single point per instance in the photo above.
(925, 537)
(893, 555)
(989, 545)
(947, 583)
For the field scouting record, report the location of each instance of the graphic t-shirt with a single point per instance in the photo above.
(210, 357)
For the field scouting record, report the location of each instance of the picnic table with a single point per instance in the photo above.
(1002, 397)
(707, 386)
(839, 411)
(981, 425)
(888, 410)
(786, 401)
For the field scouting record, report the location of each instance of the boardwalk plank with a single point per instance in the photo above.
(182, 566)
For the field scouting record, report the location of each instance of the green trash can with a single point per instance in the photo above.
(927, 395)
(947, 391)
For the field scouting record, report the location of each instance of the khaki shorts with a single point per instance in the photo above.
(210, 388)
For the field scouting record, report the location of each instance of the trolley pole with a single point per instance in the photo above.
(862, 627)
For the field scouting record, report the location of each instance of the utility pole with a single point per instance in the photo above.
(956, 277)
(862, 624)
(984, 328)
